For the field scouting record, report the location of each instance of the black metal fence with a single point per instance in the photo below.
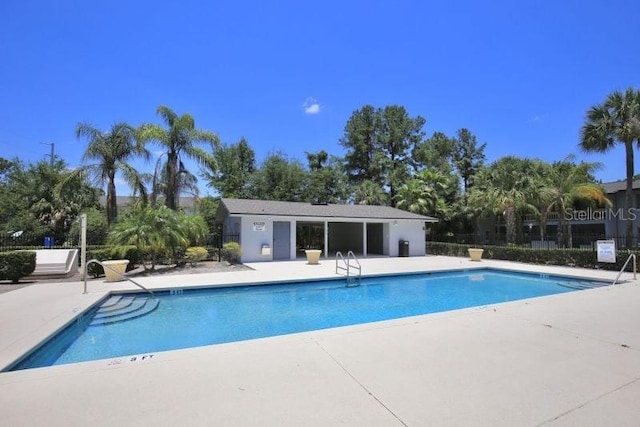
(19, 240)
(14, 241)
(577, 241)
(218, 240)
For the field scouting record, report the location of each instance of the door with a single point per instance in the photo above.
(375, 238)
(281, 240)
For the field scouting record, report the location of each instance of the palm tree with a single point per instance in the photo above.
(156, 232)
(542, 196)
(441, 191)
(369, 193)
(111, 150)
(195, 229)
(425, 194)
(568, 183)
(504, 188)
(57, 199)
(616, 120)
(157, 183)
(179, 139)
(412, 196)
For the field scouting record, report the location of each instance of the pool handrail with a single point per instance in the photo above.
(348, 265)
(631, 255)
(95, 261)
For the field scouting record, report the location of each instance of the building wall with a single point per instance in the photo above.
(616, 224)
(413, 231)
(385, 238)
(256, 231)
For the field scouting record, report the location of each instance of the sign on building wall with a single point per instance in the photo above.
(606, 251)
(259, 226)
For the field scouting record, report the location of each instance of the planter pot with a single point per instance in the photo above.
(313, 256)
(475, 254)
(114, 269)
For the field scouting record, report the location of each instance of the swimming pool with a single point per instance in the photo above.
(183, 318)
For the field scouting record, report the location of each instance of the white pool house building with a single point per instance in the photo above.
(270, 230)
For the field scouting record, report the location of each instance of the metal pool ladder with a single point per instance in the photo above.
(348, 266)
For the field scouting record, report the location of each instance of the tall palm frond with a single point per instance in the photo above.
(616, 120)
(110, 151)
(568, 183)
(179, 138)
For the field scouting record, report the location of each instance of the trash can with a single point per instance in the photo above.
(48, 242)
(403, 248)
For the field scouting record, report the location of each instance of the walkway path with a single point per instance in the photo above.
(562, 360)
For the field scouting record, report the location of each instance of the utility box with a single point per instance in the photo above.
(265, 250)
(403, 248)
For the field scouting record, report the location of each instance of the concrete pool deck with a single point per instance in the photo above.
(561, 360)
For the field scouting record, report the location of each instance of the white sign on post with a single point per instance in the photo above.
(606, 251)
(259, 226)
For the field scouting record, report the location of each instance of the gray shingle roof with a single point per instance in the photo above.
(277, 208)
(614, 187)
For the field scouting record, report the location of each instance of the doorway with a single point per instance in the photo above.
(281, 240)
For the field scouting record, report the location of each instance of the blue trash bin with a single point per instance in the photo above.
(48, 242)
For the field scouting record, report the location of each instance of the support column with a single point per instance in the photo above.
(364, 239)
(293, 239)
(326, 239)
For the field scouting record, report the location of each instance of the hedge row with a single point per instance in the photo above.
(564, 257)
(16, 264)
(104, 253)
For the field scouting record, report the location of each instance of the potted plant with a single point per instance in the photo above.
(114, 269)
(313, 256)
(475, 254)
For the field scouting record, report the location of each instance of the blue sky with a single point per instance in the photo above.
(287, 75)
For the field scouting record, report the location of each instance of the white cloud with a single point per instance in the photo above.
(311, 106)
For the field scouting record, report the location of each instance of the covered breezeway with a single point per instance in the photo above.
(340, 236)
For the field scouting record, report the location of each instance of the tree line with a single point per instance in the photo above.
(388, 160)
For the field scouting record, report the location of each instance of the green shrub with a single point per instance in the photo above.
(97, 228)
(178, 256)
(160, 234)
(212, 252)
(17, 264)
(231, 252)
(195, 254)
(564, 257)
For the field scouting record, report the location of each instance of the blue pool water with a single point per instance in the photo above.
(219, 315)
